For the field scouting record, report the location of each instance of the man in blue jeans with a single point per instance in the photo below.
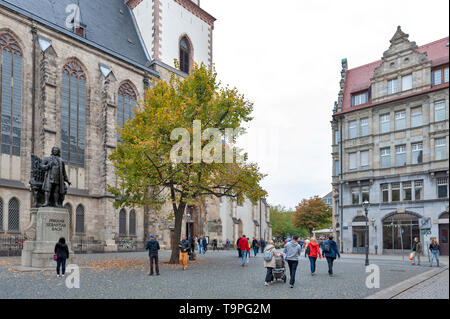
(292, 251)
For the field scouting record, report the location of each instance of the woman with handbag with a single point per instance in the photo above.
(61, 255)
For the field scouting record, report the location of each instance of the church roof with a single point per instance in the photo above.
(110, 27)
(358, 79)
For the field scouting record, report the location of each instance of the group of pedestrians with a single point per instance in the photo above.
(292, 252)
(416, 250)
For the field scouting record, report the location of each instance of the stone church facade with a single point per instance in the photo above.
(68, 78)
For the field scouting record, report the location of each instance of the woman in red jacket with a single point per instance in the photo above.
(245, 248)
(314, 251)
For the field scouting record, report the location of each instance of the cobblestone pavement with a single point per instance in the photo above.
(433, 288)
(214, 275)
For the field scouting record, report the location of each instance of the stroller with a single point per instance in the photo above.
(279, 271)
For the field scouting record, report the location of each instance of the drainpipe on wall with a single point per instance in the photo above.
(33, 89)
(341, 196)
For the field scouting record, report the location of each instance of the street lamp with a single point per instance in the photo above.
(188, 221)
(366, 205)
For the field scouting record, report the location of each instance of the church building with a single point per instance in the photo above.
(71, 72)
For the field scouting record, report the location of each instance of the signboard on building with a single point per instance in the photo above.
(425, 223)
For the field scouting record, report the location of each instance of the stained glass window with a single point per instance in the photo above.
(73, 114)
(11, 94)
(125, 106)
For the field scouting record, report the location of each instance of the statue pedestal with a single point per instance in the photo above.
(47, 226)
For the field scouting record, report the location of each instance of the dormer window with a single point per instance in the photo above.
(439, 75)
(360, 98)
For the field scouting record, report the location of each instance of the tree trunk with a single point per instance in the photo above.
(179, 212)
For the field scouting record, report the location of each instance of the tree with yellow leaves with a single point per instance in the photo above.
(147, 174)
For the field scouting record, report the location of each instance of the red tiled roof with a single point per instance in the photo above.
(358, 79)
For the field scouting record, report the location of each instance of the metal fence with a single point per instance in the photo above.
(11, 244)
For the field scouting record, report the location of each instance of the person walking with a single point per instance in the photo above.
(263, 244)
(434, 251)
(270, 264)
(313, 251)
(228, 244)
(184, 250)
(416, 251)
(62, 253)
(292, 251)
(306, 243)
(153, 247)
(330, 251)
(200, 245)
(244, 248)
(214, 244)
(239, 248)
(255, 246)
(204, 245)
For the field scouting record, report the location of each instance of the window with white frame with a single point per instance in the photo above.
(437, 76)
(385, 124)
(416, 117)
(393, 86)
(352, 161)
(400, 155)
(364, 159)
(352, 130)
(336, 137)
(446, 75)
(407, 82)
(395, 192)
(407, 191)
(336, 167)
(365, 194)
(417, 153)
(361, 98)
(364, 126)
(439, 111)
(385, 193)
(400, 120)
(418, 190)
(442, 187)
(355, 195)
(385, 154)
(440, 148)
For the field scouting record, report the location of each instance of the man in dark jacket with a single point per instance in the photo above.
(330, 251)
(204, 244)
(153, 247)
(185, 247)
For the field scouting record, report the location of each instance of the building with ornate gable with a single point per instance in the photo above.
(391, 148)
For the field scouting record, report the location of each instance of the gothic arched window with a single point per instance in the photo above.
(122, 222)
(132, 223)
(79, 220)
(125, 104)
(11, 94)
(73, 114)
(69, 210)
(13, 215)
(185, 55)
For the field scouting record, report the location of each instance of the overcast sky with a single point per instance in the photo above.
(285, 56)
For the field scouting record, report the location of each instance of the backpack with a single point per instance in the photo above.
(326, 247)
(268, 255)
